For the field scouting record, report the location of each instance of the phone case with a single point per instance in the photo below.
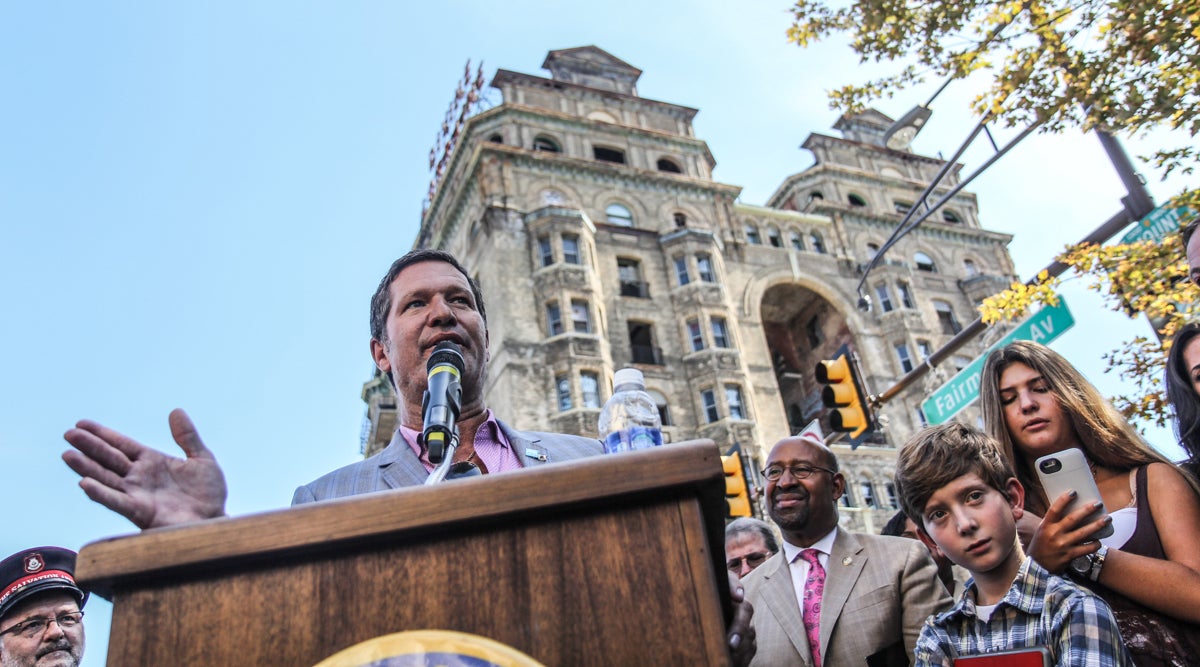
(1073, 474)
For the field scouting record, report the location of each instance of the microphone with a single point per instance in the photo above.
(442, 400)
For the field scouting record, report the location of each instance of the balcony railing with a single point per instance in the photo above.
(635, 288)
(646, 354)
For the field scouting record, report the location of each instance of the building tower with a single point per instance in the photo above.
(590, 218)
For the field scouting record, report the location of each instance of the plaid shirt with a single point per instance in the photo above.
(1040, 609)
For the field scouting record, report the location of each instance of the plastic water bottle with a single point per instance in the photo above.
(629, 420)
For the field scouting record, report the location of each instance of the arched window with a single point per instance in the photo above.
(902, 207)
(969, 268)
(797, 240)
(872, 250)
(949, 216)
(616, 214)
(773, 237)
(855, 200)
(924, 262)
(818, 243)
(668, 165)
(496, 139)
(680, 219)
(602, 116)
(544, 143)
(868, 493)
(815, 194)
(752, 236)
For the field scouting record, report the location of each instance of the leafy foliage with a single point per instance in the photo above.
(1127, 66)
(1145, 278)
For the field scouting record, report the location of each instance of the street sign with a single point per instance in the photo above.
(1158, 223)
(962, 389)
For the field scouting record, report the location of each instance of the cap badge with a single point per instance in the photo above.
(34, 563)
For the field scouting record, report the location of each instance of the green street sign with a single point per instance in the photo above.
(962, 389)
(1158, 223)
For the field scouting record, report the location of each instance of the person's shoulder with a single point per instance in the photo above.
(900, 547)
(353, 478)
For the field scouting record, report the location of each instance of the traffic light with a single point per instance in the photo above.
(846, 394)
(737, 496)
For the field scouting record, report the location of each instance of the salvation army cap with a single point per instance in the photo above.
(35, 571)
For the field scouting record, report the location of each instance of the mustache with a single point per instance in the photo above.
(62, 644)
(798, 491)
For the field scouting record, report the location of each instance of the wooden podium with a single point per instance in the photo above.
(613, 560)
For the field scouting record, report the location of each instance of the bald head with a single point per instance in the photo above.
(802, 497)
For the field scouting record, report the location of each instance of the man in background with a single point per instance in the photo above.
(748, 544)
(832, 597)
(41, 622)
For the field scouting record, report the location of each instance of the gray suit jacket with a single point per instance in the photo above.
(878, 591)
(398, 466)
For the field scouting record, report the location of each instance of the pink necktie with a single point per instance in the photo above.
(813, 589)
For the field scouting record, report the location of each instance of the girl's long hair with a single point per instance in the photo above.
(1103, 434)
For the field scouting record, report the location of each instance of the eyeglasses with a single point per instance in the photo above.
(798, 470)
(752, 559)
(34, 627)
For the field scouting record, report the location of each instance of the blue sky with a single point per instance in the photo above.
(198, 199)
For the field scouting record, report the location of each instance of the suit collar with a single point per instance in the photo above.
(399, 466)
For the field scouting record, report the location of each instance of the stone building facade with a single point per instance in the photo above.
(590, 217)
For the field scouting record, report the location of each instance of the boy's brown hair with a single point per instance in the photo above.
(938, 455)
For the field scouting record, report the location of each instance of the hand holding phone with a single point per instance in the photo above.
(1068, 470)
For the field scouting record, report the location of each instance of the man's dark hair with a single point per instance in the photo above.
(1188, 230)
(381, 301)
(895, 525)
(751, 526)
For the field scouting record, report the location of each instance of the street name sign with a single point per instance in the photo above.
(1158, 223)
(962, 389)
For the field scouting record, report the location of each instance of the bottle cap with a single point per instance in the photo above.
(628, 376)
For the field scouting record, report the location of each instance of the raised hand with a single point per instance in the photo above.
(741, 638)
(144, 485)
(1063, 537)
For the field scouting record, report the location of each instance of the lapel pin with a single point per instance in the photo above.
(847, 560)
(535, 454)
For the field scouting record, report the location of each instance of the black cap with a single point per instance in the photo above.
(35, 571)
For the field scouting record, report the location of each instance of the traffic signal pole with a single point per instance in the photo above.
(1137, 204)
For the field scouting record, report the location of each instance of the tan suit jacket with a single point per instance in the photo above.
(878, 591)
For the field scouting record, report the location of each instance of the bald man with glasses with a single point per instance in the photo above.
(41, 622)
(831, 597)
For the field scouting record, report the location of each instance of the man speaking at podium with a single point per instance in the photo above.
(426, 298)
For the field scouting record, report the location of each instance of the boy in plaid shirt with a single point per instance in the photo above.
(964, 497)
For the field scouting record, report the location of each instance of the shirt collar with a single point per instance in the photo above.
(823, 545)
(1027, 593)
(491, 427)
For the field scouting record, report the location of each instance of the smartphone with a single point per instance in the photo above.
(1035, 656)
(1066, 471)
